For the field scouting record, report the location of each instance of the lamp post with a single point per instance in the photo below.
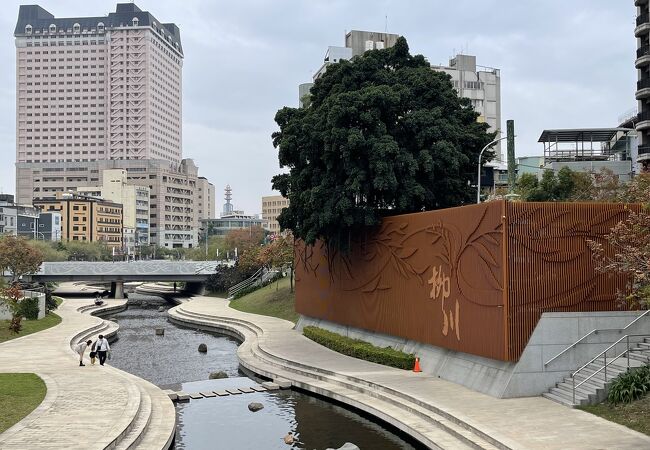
(480, 155)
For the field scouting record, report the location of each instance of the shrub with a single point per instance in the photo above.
(50, 301)
(360, 349)
(630, 386)
(29, 308)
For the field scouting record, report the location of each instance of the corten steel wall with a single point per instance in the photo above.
(550, 266)
(434, 277)
(438, 277)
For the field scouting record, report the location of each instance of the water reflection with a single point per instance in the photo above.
(226, 422)
(172, 358)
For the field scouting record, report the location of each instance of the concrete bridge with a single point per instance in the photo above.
(193, 273)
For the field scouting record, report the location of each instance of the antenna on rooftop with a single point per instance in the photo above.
(386, 26)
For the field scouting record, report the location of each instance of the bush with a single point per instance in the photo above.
(360, 349)
(29, 308)
(50, 301)
(630, 386)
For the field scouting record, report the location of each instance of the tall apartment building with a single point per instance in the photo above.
(135, 206)
(97, 93)
(97, 87)
(86, 218)
(642, 63)
(482, 86)
(272, 206)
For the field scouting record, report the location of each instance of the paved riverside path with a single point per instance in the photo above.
(91, 407)
(427, 407)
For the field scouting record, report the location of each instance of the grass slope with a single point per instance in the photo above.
(20, 393)
(635, 415)
(270, 302)
(29, 326)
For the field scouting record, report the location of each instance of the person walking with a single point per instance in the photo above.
(93, 353)
(81, 349)
(102, 348)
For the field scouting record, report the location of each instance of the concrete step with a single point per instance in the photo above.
(581, 391)
(307, 378)
(559, 399)
(140, 423)
(639, 357)
(568, 396)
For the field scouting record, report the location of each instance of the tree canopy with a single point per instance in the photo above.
(383, 134)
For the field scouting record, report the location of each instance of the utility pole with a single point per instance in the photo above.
(512, 169)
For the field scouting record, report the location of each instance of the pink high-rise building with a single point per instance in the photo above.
(94, 88)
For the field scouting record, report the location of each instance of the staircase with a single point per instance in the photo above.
(589, 384)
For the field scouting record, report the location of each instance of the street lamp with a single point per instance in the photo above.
(480, 155)
(205, 231)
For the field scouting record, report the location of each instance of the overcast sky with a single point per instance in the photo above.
(564, 64)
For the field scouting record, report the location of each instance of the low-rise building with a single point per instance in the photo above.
(85, 218)
(135, 206)
(223, 225)
(272, 206)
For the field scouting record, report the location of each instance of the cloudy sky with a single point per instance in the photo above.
(564, 64)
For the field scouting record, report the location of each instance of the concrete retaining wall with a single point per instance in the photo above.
(5, 312)
(528, 376)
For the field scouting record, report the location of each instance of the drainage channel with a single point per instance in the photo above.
(207, 418)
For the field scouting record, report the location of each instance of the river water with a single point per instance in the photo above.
(173, 361)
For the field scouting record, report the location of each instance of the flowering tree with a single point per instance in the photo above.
(630, 242)
(18, 257)
(279, 254)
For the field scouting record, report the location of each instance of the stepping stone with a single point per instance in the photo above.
(270, 386)
(172, 395)
(233, 391)
(284, 384)
(246, 390)
(221, 393)
(258, 388)
(195, 396)
(208, 394)
(182, 397)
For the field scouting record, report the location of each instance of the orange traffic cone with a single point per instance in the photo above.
(416, 367)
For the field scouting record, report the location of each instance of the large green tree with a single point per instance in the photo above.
(383, 134)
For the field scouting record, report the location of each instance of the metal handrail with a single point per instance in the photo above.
(605, 363)
(596, 331)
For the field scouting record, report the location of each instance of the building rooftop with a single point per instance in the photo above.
(41, 22)
(581, 134)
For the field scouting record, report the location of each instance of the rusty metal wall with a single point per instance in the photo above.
(438, 277)
(550, 266)
(434, 277)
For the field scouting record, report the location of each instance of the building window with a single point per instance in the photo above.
(76, 28)
(135, 21)
(100, 27)
(52, 28)
(28, 29)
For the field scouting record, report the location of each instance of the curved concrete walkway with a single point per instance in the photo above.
(436, 412)
(91, 407)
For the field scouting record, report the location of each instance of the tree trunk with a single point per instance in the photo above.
(291, 279)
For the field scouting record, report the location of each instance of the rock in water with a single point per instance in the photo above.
(218, 375)
(254, 407)
(160, 331)
(203, 348)
(161, 309)
(346, 446)
(144, 304)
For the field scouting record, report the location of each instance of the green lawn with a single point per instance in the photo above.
(29, 326)
(20, 393)
(635, 415)
(270, 302)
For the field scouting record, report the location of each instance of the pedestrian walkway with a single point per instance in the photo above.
(91, 407)
(437, 412)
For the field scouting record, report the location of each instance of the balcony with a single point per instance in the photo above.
(643, 88)
(642, 24)
(643, 122)
(642, 56)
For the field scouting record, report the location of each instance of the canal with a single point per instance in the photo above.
(173, 361)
